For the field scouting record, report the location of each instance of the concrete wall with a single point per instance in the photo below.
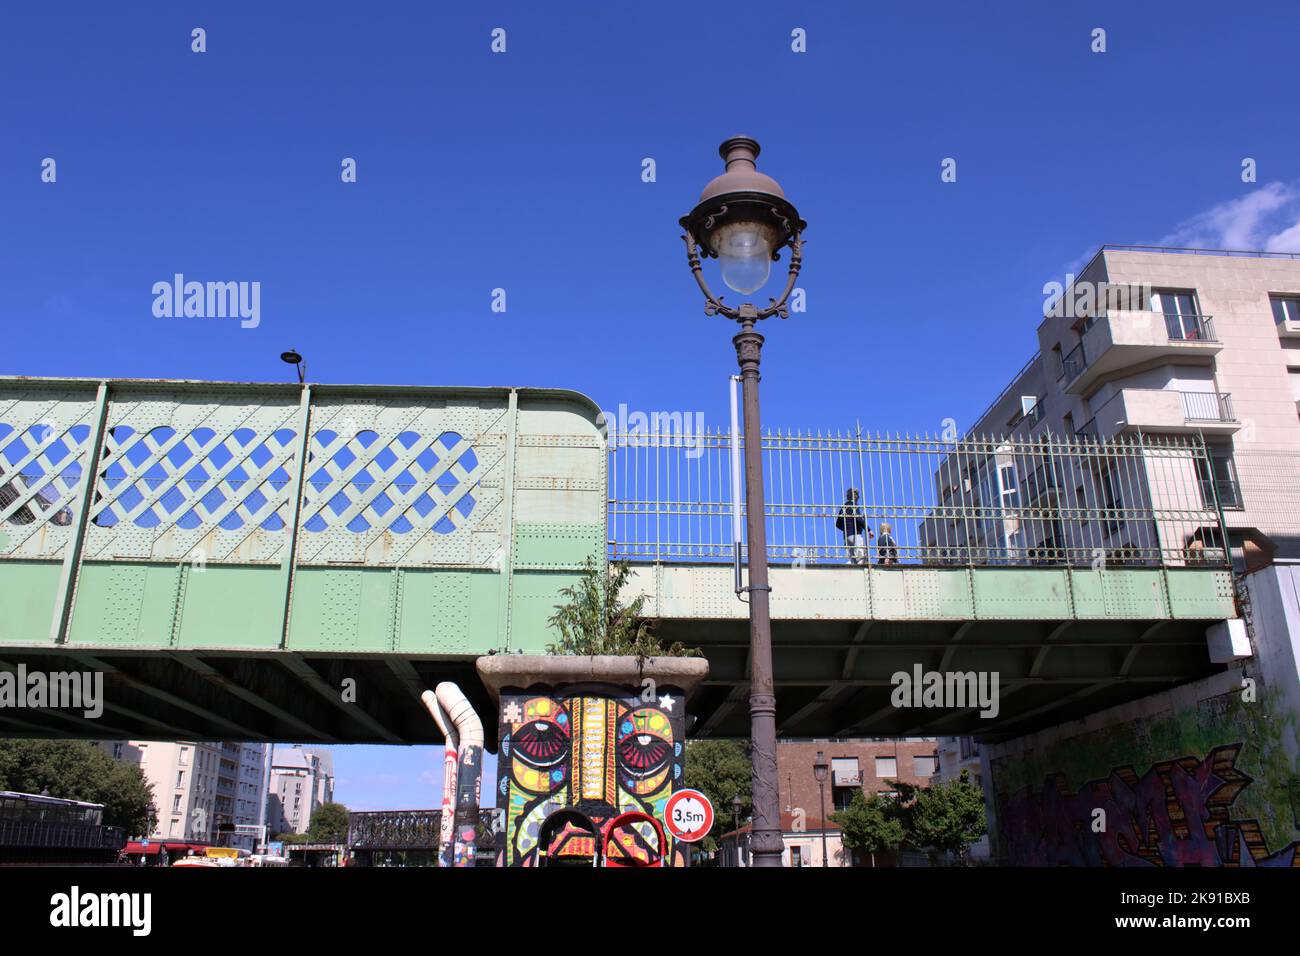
(1207, 774)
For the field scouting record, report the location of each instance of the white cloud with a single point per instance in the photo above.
(1266, 218)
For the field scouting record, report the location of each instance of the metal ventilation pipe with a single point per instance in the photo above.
(451, 749)
(469, 756)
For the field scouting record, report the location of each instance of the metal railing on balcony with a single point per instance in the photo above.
(922, 500)
(1190, 328)
(846, 778)
(1074, 363)
(1207, 407)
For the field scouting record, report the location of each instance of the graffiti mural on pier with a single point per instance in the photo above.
(1178, 813)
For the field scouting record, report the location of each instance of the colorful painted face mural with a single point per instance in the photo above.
(599, 755)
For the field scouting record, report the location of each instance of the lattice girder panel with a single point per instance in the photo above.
(45, 438)
(400, 482)
(195, 476)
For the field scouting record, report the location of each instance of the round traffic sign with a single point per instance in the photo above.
(688, 815)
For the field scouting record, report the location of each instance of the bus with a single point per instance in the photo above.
(38, 828)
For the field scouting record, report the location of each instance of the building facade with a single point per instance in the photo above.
(302, 780)
(867, 765)
(184, 776)
(1159, 346)
(803, 839)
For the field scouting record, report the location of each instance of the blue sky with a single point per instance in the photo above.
(522, 171)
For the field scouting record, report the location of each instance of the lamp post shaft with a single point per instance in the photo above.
(825, 853)
(766, 844)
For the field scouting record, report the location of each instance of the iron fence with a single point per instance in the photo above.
(922, 501)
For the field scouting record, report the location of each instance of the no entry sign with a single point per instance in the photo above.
(688, 815)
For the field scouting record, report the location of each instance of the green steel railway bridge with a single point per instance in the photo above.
(285, 562)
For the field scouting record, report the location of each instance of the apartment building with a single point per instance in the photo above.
(302, 780)
(209, 792)
(1167, 348)
(184, 778)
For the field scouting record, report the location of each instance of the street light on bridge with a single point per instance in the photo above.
(743, 220)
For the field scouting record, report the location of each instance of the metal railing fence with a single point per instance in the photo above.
(924, 501)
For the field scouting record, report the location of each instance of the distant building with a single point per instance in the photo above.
(867, 765)
(184, 778)
(802, 837)
(201, 789)
(301, 781)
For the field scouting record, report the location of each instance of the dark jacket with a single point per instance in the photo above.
(850, 520)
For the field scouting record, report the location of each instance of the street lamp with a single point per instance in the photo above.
(820, 768)
(743, 220)
(291, 357)
(736, 804)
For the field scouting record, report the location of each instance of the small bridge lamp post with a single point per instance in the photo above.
(744, 220)
(820, 768)
(291, 357)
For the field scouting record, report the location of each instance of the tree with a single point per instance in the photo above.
(594, 620)
(329, 824)
(720, 770)
(948, 816)
(872, 824)
(78, 770)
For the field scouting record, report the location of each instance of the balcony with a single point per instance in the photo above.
(1122, 339)
(846, 778)
(1164, 411)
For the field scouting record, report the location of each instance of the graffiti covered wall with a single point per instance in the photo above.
(1206, 781)
(1207, 774)
(601, 754)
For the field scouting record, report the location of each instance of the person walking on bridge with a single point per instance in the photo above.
(851, 522)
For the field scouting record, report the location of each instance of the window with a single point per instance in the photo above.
(887, 767)
(1058, 361)
(1108, 497)
(1182, 318)
(796, 856)
(844, 771)
(180, 778)
(925, 766)
(968, 747)
(1286, 308)
(184, 757)
(1219, 479)
(176, 804)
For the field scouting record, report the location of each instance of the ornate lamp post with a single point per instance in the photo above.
(736, 804)
(820, 768)
(743, 220)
